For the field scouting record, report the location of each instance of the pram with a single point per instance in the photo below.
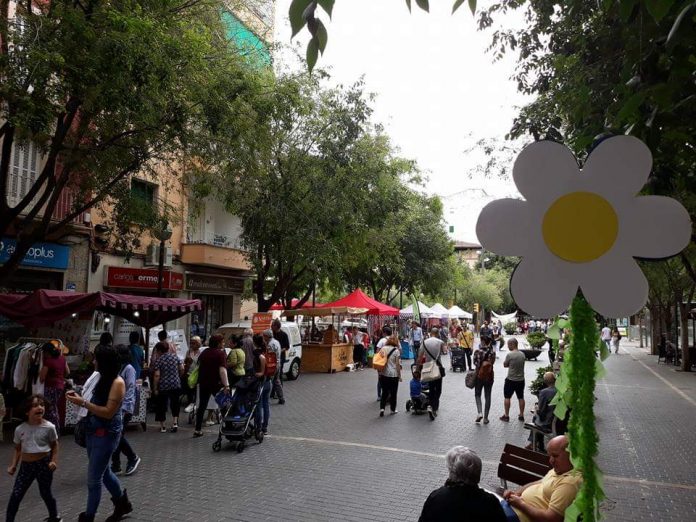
(238, 423)
(418, 405)
(457, 359)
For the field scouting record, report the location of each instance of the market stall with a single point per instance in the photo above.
(328, 355)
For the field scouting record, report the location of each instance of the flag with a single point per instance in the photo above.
(416, 309)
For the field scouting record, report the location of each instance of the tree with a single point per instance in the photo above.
(105, 90)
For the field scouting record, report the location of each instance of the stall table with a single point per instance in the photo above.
(326, 357)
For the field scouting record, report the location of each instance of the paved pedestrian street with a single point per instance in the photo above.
(330, 457)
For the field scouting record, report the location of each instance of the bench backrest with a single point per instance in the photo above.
(522, 466)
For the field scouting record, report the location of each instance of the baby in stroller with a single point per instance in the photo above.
(418, 403)
(245, 395)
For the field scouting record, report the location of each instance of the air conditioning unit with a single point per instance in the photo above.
(152, 255)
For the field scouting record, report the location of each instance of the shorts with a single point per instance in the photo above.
(516, 387)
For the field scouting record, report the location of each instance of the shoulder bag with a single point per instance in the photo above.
(433, 369)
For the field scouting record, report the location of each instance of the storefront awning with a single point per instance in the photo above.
(325, 311)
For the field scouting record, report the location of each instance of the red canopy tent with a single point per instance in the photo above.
(44, 307)
(358, 299)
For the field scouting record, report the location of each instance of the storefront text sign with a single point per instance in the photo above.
(213, 284)
(261, 321)
(46, 255)
(142, 278)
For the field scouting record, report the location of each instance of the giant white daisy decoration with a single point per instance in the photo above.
(583, 227)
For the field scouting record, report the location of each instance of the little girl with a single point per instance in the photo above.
(36, 445)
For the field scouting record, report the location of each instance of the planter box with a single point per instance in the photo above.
(531, 353)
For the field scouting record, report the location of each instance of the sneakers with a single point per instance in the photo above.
(163, 430)
(381, 413)
(478, 419)
(209, 423)
(197, 434)
(174, 429)
(431, 413)
(395, 412)
(486, 421)
(53, 519)
(189, 408)
(132, 466)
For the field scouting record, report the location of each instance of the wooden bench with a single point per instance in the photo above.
(521, 466)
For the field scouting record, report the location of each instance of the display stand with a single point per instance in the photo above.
(326, 358)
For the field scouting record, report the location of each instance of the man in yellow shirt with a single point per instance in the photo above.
(547, 499)
(466, 343)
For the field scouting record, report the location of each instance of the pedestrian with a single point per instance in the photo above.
(235, 362)
(386, 334)
(466, 343)
(485, 330)
(36, 454)
(53, 373)
(431, 350)
(263, 409)
(190, 364)
(137, 354)
(212, 375)
(284, 342)
(167, 386)
(248, 347)
(358, 347)
(514, 382)
(615, 340)
(544, 415)
(461, 499)
(390, 376)
(127, 373)
(415, 337)
(605, 335)
(484, 358)
(102, 407)
(274, 346)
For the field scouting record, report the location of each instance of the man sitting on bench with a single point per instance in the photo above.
(547, 499)
(543, 418)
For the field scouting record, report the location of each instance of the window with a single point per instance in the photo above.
(146, 192)
(24, 165)
(143, 201)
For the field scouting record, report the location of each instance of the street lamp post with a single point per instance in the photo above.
(164, 233)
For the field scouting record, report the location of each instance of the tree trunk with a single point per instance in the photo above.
(684, 324)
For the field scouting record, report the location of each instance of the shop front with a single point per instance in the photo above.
(220, 297)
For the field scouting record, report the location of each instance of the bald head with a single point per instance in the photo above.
(559, 458)
(549, 379)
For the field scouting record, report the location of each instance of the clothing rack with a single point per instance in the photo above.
(38, 340)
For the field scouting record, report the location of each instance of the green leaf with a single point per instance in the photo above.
(327, 5)
(553, 332)
(424, 5)
(603, 350)
(297, 21)
(472, 6)
(572, 513)
(563, 323)
(312, 53)
(561, 409)
(626, 9)
(658, 9)
(321, 35)
(600, 371)
(630, 109)
(457, 5)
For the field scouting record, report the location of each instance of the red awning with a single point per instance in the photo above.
(45, 307)
(293, 305)
(358, 299)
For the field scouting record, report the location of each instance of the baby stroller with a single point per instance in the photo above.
(418, 405)
(237, 423)
(457, 360)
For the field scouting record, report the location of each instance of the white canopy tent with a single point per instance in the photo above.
(439, 311)
(504, 319)
(422, 308)
(456, 312)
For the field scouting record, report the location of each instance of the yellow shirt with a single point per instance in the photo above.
(554, 491)
(466, 339)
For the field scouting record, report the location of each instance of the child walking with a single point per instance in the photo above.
(36, 446)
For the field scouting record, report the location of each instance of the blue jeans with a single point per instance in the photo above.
(103, 438)
(509, 512)
(263, 410)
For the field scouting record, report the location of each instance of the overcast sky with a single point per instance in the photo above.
(438, 90)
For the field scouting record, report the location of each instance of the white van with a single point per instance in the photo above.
(291, 368)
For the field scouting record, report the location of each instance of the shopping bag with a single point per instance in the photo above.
(430, 372)
(193, 378)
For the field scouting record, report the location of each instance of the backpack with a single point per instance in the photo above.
(271, 363)
(485, 372)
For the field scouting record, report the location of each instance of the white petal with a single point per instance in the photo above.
(544, 170)
(618, 165)
(615, 286)
(655, 227)
(502, 226)
(543, 287)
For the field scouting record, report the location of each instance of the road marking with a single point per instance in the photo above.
(674, 388)
(610, 478)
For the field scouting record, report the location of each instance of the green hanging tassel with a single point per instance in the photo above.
(579, 370)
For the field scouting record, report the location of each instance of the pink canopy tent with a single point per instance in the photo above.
(44, 307)
(358, 299)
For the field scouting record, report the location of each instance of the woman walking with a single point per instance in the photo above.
(102, 407)
(263, 410)
(167, 387)
(390, 376)
(128, 374)
(484, 358)
(615, 339)
(212, 375)
(53, 373)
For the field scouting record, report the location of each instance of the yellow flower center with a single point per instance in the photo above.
(580, 227)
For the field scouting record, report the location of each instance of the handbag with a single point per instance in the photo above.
(80, 432)
(470, 379)
(193, 378)
(379, 362)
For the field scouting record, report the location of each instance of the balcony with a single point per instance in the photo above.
(214, 250)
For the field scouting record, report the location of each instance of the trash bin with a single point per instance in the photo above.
(406, 350)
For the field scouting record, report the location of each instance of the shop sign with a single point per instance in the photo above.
(142, 278)
(45, 255)
(213, 284)
(261, 321)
